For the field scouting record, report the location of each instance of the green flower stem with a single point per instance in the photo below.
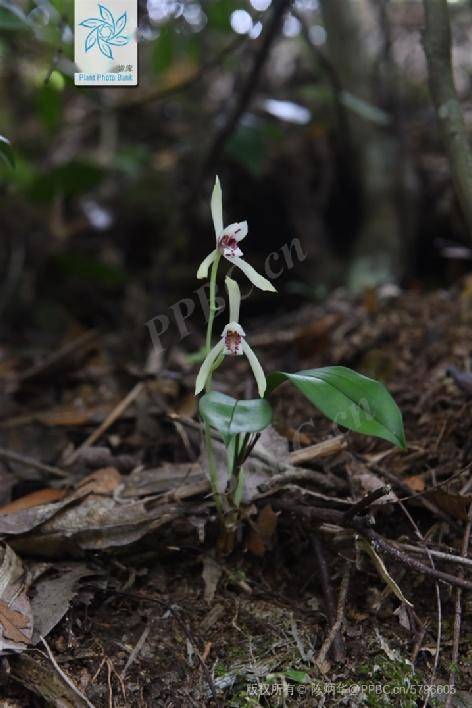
(209, 336)
(213, 308)
(213, 472)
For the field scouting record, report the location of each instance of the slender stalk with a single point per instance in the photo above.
(207, 432)
(213, 308)
(213, 470)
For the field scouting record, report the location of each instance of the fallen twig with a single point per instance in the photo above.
(325, 448)
(321, 658)
(338, 644)
(333, 516)
(137, 649)
(440, 555)
(31, 462)
(109, 420)
(365, 502)
(458, 613)
(64, 676)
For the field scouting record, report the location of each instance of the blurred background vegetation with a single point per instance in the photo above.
(316, 114)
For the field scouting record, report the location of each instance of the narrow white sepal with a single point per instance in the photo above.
(256, 369)
(207, 366)
(234, 295)
(204, 266)
(217, 207)
(256, 278)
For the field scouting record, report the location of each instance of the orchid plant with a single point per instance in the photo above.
(349, 399)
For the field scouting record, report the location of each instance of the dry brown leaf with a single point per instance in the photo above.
(12, 623)
(455, 504)
(103, 481)
(261, 535)
(415, 483)
(298, 437)
(16, 619)
(43, 496)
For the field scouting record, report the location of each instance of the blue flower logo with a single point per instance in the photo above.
(105, 32)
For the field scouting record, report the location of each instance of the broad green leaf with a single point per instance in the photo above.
(6, 152)
(349, 399)
(230, 416)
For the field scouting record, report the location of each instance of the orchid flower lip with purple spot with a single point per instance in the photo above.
(227, 244)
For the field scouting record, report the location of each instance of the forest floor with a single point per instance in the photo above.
(111, 549)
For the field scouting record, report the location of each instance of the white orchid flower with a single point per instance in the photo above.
(227, 243)
(232, 343)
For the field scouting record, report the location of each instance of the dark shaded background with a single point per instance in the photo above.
(106, 214)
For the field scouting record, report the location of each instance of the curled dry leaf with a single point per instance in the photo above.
(16, 621)
(456, 505)
(262, 533)
(43, 496)
(15, 521)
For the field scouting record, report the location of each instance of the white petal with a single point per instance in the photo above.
(217, 207)
(234, 295)
(256, 368)
(237, 231)
(207, 366)
(256, 279)
(204, 266)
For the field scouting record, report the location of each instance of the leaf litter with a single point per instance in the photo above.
(126, 534)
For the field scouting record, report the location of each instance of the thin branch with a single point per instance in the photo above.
(322, 654)
(338, 644)
(31, 462)
(438, 48)
(333, 516)
(365, 502)
(109, 420)
(440, 555)
(458, 611)
(420, 536)
(64, 676)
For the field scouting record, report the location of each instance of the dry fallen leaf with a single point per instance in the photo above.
(43, 496)
(52, 594)
(261, 535)
(455, 504)
(415, 483)
(16, 620)
(103, 481)
(12, 623)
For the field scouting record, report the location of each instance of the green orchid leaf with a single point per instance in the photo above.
(230, 416)
(349, 399)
